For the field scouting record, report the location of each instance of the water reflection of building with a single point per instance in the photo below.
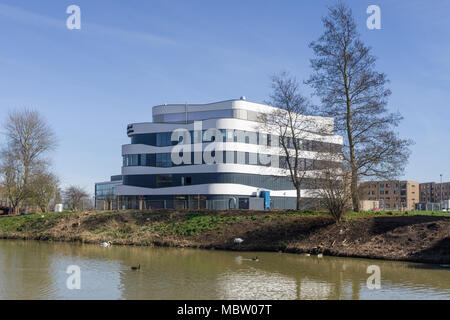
(195, 274)
(259, 285)
(256, 284)
(32, 270)
(314, 290)
(201, 274)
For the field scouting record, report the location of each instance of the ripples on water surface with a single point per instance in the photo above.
(37, 270)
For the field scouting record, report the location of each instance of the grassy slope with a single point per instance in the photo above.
(119, 226)
(116, 225)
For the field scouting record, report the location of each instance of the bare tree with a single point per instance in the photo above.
(44, 189)
(332, 186)
(12, 179)
(290, 122)
(74, 196)
(354, 94)
(28, 140)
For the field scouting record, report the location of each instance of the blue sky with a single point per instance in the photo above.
(132, 55)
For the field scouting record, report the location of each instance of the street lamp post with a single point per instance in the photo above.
(440, 205)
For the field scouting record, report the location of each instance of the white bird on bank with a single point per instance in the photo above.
(106, 244)
(238, 240)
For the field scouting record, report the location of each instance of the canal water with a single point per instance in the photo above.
(38, 270)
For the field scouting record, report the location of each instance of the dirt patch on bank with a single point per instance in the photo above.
(411, 238)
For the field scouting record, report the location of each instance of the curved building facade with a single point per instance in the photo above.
(216, 156)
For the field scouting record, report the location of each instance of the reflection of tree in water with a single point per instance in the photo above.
(169, 273)
(201, 274)
(24, 270)
(348, 275)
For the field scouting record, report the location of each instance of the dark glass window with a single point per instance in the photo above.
(163, 139)
(244, 203)
(185, 181)
(164, 180)
(224, 134)
(132, 160)
(163, 160)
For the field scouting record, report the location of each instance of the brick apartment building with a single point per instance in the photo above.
(392, 194)
(430, 192)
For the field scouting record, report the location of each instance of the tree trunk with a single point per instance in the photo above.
(351, 145)
(354, 182)
(354, 189)
(299, 199)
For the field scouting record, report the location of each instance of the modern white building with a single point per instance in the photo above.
(105, 199)
(217, 156)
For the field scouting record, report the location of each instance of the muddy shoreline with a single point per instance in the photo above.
(424, 239)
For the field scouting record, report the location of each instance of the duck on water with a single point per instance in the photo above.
(252, 259)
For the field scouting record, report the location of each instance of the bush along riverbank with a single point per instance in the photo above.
(391, 236)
